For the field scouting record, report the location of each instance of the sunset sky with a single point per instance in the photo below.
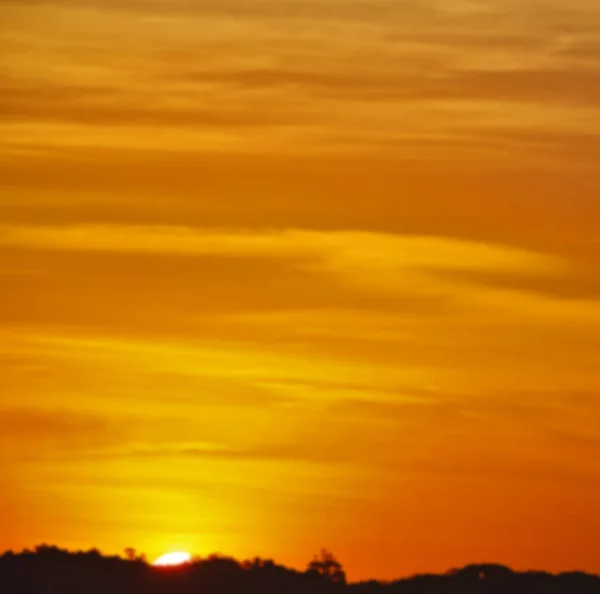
(278, 275)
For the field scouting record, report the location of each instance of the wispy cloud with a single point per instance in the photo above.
(343, 250)
(390, 73)
(36, 432)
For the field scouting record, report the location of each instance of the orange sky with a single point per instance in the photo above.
(284, 274)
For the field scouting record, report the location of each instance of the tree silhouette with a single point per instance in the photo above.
(130, 554)
(50, 570)
(326, 565)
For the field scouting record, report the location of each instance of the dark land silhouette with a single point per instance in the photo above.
(50, 570)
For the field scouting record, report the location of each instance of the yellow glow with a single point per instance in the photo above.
(173, 559)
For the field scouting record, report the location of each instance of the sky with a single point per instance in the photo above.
(278, 275)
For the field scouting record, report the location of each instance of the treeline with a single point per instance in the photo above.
(50, 570)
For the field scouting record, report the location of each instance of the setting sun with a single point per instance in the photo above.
(173, 559)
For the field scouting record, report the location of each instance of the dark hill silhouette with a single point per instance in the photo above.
(50, 570)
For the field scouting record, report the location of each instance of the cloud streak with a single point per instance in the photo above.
(343, 249)
(338, 76)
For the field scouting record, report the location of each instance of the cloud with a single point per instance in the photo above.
(36, 432)
(96, 105)
(337, 76)
(300, 453)
(567, 85)
(247, 283)
(337, 250)
(297, 10)
(338, 264)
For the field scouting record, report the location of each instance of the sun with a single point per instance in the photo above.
(173, 559)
